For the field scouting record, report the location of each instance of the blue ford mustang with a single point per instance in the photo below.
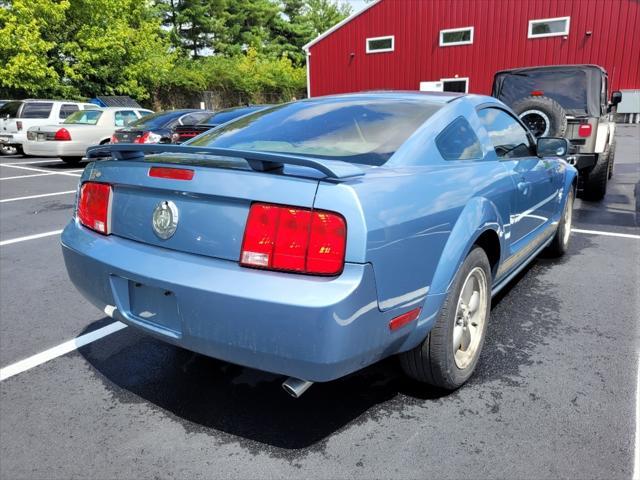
(314, 238)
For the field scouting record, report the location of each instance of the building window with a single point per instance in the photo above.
(549, 27)
(380, 44)
(456, 36)
(457, 85)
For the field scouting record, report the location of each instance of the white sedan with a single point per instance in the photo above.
(80, 130)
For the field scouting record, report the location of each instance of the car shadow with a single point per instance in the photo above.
(212, 394)
(208, 395)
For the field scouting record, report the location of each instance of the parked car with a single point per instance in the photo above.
(315, 238)
(157, 128)
(16, 117)
(6, 149)
(569, 101)
(182, 133)
(80, 130)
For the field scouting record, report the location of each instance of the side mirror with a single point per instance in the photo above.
(616, 98)
(552, 147)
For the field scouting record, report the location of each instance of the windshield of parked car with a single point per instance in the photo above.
(84, 117)
(568, 88)
(157, 120)
(357, 130)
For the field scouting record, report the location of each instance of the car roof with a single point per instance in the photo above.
(554, 67)
(431, 97)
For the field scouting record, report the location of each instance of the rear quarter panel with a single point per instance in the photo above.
(416, 218)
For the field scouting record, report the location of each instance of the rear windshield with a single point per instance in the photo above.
(10, 109)
(568, 88)
(36, 110)
(228, 115)
(357, 130)
(157, 120)
(85, 117)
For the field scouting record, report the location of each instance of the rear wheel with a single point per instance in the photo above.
(560, 242)
(71, 160)
(594, 186)
(449, 354)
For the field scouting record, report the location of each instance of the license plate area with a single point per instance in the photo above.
(41, 137)
(156, 307)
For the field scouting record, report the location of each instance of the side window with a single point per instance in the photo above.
(458, 141)
(36, 110)
(124, 117)
(67, 109)
(509, 138)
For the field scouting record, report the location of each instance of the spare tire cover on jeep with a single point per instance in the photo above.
(542, 115)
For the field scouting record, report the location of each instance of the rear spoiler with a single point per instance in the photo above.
(259, 161)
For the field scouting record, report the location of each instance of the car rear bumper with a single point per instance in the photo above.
(307, 327)
(50, 148)
(14, 138)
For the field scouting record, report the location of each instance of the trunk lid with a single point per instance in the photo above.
(128, 135)
(212, 207)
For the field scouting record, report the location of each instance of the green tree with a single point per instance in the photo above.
(321, 15)
(27, 36)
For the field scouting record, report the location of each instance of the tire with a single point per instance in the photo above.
(542, 115)
(594, 186)
(8, 150)
(71, 160)
(612, 156)
(434, 361)
(560, 242)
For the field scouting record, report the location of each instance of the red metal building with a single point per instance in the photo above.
(457, 45)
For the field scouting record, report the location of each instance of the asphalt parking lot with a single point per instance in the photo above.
(555, 394)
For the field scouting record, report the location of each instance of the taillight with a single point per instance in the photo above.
(171, 173)
(148, 137)
(294, 239)
(94, 206)
(62, 135)
(537, 93)
(19, 125)
(584, 130)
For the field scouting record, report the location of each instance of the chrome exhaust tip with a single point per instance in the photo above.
(295, 387)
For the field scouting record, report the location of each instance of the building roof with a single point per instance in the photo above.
(338, 25)
(117, 101)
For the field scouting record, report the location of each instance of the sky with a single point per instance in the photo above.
(357, 4)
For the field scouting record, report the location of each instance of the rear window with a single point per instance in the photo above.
(84, 117)
(10, 109)
(228, 115)
(36, 110)
(568, 88)
(157, 120)
(357, 130)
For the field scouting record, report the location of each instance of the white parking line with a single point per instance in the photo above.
(29, 237)
(29, 197)
(607, 234)
(62, 349)
(28, 176)
(31, 169)
(53, 160)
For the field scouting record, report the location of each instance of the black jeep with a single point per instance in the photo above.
(569, 101)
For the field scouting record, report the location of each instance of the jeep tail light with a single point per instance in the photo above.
(584, 130)
(94, 205)
(62, 135)
(294, 239)
(537, 93)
